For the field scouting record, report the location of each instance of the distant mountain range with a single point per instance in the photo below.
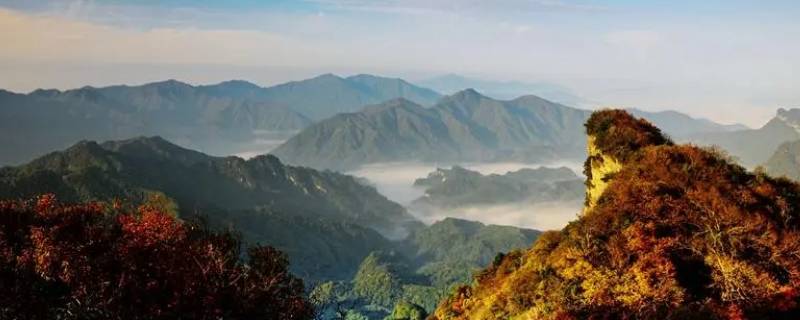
(405, 122)
(683, 126)
(465, 126)
(753, 147)
(326, 95)
(502, 90)
(211, 117)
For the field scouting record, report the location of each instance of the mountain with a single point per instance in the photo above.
(450, 250)
(326, 95)
(224, 118)
(785, 162)
(206, 117)
(466, 126)
(421, 269)
(336, 231)
(463, 127)
(681, 126)
(453, 83)
(459, 187)
(754, 146)
(668, 232)
(327, 222)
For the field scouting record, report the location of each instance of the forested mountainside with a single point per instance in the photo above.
(668, 232)
(459, 187)
(333, 228)
(465, 126)
(269, 202)
(99, 260)
(208, 117)
(420, 270)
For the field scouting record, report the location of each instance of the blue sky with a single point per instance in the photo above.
(707, 58)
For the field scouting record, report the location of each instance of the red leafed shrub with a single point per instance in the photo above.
(88, 261)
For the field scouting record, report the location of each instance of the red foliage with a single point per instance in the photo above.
(678, 233)
(82, 262)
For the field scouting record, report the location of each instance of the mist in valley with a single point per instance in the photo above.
(395, 180)
(261, 142)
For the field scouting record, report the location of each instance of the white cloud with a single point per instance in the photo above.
(55, 39)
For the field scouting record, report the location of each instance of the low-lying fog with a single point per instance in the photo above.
(395, 181)
(262, 142)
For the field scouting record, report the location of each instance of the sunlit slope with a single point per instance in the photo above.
(672, 232)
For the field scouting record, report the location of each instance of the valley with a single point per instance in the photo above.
(419, 196)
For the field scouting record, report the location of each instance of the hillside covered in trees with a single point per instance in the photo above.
(107, 261)
(335, 230)
(419, 270)
(459, 187)
(668, 232)
(341, 219)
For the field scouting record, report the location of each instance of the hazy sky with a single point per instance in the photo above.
(726, 60)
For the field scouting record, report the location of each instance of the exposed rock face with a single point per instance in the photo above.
(602, 169)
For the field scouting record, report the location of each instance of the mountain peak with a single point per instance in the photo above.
(391, 104)
(532, 99)
(468, 93)
(154, 147)
(679, 233)
(45, 92)
(85, 145)
(369, 77)
(791, 115)
(614, 136)
(244, 84)
(169, 83)
(327, 76)
(619, 134)
(469, 96)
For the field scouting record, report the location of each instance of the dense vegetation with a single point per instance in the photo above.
(420, 271)
(679, 232)
(267, 201)
(102, 261)
(459, 187)
(327, 223)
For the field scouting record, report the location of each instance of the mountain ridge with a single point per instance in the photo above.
(265, 200)
(465, 126)
(673, 231)
(753, 147)
(216, 118)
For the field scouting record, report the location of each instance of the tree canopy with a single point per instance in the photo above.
(98, 261)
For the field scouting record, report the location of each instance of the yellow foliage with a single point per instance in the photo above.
(680, 233)
(739, 280)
